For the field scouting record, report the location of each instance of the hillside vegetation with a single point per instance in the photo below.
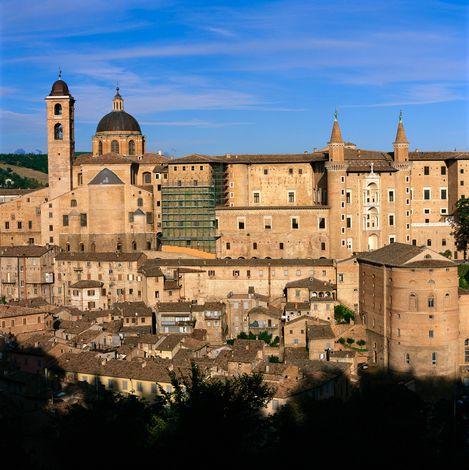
(34, 161)
(24, 171)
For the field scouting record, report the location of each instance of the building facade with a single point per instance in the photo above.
(414, 313)
(328, 203)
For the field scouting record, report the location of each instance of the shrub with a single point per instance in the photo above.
(350, 341)
(361, 342)
(342, 340)
(274, 359)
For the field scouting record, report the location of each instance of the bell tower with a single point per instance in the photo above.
(60, 137)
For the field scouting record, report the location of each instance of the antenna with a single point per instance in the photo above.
(60, 73)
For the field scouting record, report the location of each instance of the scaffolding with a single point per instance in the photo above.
(188, 215)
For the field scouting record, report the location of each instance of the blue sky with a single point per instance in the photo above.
(241, 76)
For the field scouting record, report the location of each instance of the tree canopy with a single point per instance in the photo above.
(460, 223)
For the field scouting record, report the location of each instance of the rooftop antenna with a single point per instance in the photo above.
(60, 73)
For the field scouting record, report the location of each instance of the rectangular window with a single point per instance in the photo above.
(241, 224)
(322, 222)
(65, 220)
(83, 220)
(235, 273)
(256, 197)
(20, 225)
(131, 217)
(349, 222)
(427, 194)
(348, 197)
(7, 225)
(391, 195)
(228, 246)
(267, 223)
(391, 219)
(280, 246)
(434, 358)
(30, 224)
(426, 170)
(443, 193)
(443, 170)
(295, 224)
(291, 196)
(430, 333)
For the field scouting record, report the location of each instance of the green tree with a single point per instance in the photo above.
(343, 314)
(361, 342)
(460, 224)
(265, 336)
(350, 341)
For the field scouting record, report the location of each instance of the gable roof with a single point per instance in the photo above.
(399, 254)
(311, 283)
(106, 176)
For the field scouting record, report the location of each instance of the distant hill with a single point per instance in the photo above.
(25, 171)
(28, 160)
(34, 161)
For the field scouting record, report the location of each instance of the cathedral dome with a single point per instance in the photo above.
(118, 121)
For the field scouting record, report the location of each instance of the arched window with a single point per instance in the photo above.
(447, 300)
(73, 203)
(372, 218)
(466, 350)
(58, 109)
(131, 147)
(413, 303)
(134, 246)
(431, 301)
(58, 132)
(139, 202)
(93, 247)
(147, 178)
(67, 247)
(82, 247)
(100, 147)
(119, 247)
(115, 146)
(407, 358)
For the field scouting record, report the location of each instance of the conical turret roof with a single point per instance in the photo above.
(336, 135)
(401, 138)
